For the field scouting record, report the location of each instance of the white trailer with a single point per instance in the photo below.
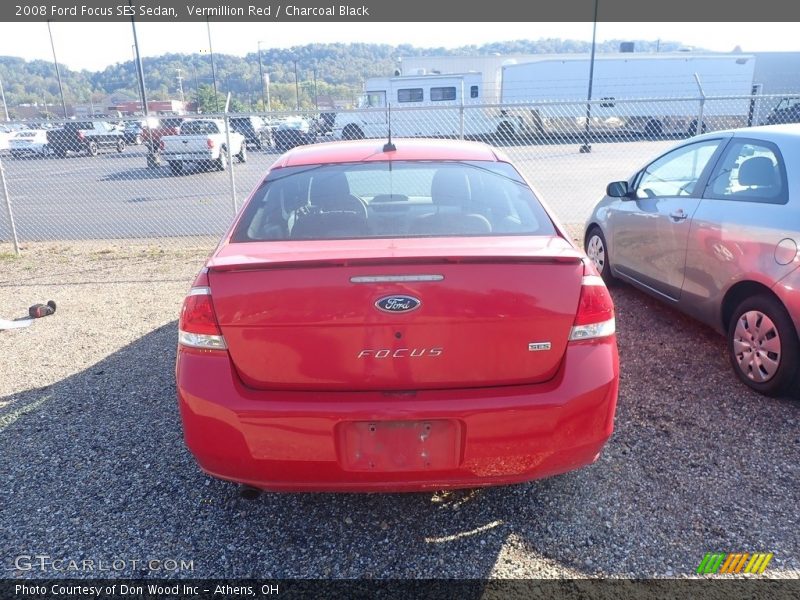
(424, 106)
(649, 79)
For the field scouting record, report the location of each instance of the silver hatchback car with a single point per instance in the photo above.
(712, 227)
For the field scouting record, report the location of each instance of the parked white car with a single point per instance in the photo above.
(202, 142)
(29, 143)
(5, 135)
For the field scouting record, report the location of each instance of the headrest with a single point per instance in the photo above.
(757, 171)
(328, 186)
(288, 191)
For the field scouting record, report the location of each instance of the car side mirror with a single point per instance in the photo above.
(618, 189)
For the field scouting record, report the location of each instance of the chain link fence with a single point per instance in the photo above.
(104, 178)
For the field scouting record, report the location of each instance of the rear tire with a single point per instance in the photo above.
(654, 130)
(505, 132)
(120, 145)
(692, 131)
(597, 250)
(242, 156)
(222, 162)
(763, 346)
(92, 149)
(352, 132)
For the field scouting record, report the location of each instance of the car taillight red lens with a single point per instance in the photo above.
(80, 135)
(210, 143)
(595, 315)
(198, 326)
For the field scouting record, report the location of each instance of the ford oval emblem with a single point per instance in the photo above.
(397, 304)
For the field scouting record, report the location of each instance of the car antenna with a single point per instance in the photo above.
(389, 146)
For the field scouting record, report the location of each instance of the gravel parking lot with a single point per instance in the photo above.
(94, 465)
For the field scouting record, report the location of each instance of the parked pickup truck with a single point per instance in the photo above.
(202, 142)
(85, 136)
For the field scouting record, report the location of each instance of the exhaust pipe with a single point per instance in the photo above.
(248, 492)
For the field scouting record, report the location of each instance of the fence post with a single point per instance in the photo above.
(8, 209)
(699, 127)
(461, 114)
(230, 155)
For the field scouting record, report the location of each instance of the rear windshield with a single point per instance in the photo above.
(199, 128)
(392, 199)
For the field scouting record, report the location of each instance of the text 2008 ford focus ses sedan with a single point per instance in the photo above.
(395, 318)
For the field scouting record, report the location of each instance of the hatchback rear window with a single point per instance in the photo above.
(392, 199)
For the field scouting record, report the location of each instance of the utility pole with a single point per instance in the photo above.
(587, 147)
(153, 157)
(196, 86)
(261, 73)
(316, 101)
(213, 68)
(269, 102)
(136, 73)
(180, 84)
(296, 87)
(3, 95)
(58, 72)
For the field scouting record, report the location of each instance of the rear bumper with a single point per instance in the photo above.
(287, 441)
(188, 156)
(27, 150)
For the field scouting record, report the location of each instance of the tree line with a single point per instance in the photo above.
(323, 71)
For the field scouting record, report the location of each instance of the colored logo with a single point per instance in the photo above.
(740, 562)
(395, 304)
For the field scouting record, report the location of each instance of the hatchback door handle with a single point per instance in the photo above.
(678, 215)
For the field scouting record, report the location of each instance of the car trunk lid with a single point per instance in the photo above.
(400, 314)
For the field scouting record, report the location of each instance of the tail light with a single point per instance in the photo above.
(81, 136)
(161, 145)
(198, 326)
(210, 143)
(595, 317)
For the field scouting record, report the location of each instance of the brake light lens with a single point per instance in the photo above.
(595, 316)
(210, 143)
(81, 136)
(198, 326)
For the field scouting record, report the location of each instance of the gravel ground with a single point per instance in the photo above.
(94, 467)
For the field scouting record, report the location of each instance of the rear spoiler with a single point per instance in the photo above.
(387, 261)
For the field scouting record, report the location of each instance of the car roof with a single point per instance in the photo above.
(765, 132)
(372, 151)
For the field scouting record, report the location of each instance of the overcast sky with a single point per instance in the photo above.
(95, 45)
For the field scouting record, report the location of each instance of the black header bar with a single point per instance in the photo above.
(400, 11)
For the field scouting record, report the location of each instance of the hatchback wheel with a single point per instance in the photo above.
(91, 148)
(763, 346)
(597, 251)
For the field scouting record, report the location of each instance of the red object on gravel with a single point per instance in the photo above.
(42, 310)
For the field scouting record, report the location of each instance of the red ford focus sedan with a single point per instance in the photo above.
(386, 318)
